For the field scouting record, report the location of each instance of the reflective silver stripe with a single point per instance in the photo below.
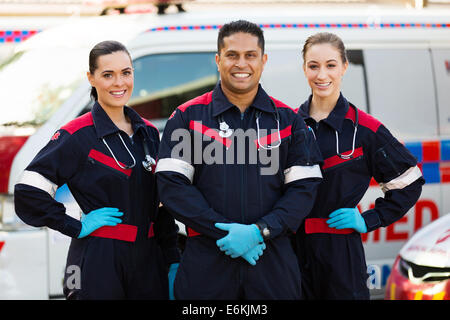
(176, 165)
(301, 172)
(408, 177)
(37, 180)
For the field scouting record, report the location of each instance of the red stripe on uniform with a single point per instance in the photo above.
(124, 232)
(319, 225)
(151, 232)
(2, 243)
(148, 123)
(364, 119)
(192, 233)
(197, 126)
(280, 104)
(335, 160)
(204, 99)
(272, 138)
(110, 162)
(78, 123)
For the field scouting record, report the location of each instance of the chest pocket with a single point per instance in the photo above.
(336, 162)
(98, 160)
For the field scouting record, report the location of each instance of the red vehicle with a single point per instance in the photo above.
(422, 269)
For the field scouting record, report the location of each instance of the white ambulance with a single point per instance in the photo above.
(399, 72)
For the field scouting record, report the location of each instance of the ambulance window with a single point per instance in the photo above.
(401, 91)
(165, 81)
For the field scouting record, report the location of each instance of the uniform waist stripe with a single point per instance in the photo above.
(319, 225)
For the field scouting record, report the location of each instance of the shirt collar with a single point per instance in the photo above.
(336, 116)
(221, 103)
(104, 126)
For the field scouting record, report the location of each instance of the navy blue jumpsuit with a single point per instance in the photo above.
(332, 261)
(233, 188)
(130, 260)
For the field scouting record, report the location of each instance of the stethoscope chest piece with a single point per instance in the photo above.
(148, 163)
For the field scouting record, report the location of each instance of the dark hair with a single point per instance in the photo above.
(244, 26)
(101, 49)
(325, 37)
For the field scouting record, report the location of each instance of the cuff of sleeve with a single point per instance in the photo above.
(273, 225)
(372, 220)
(72, 227)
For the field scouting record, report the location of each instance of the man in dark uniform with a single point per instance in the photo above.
(239, 198)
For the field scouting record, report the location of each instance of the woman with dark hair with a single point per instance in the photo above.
(124, 244)
(355, 147)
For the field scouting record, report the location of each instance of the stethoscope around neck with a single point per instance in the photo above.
(147, 163)
(355, 129)
(225, 131)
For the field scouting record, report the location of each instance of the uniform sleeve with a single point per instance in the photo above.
(302, 177)
(400, 179)
(175, 174)
(34, 194)
(166, 235)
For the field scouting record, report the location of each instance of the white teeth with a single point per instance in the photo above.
(117, 93)
(241, 75)
(323, 84)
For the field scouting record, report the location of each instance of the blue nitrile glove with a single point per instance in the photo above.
(99, 218)
(240, 238)
(347, 218)
(252, 255)
(172, 273)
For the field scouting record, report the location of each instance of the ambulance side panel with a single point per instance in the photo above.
(441, 68)
(401, 91)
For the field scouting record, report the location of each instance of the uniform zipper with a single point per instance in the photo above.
(241, 270)
(242, 176)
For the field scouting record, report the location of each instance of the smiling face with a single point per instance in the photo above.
(324, 69)
(113, 79)
(240, 63)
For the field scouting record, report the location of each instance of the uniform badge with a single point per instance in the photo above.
(225, 130)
